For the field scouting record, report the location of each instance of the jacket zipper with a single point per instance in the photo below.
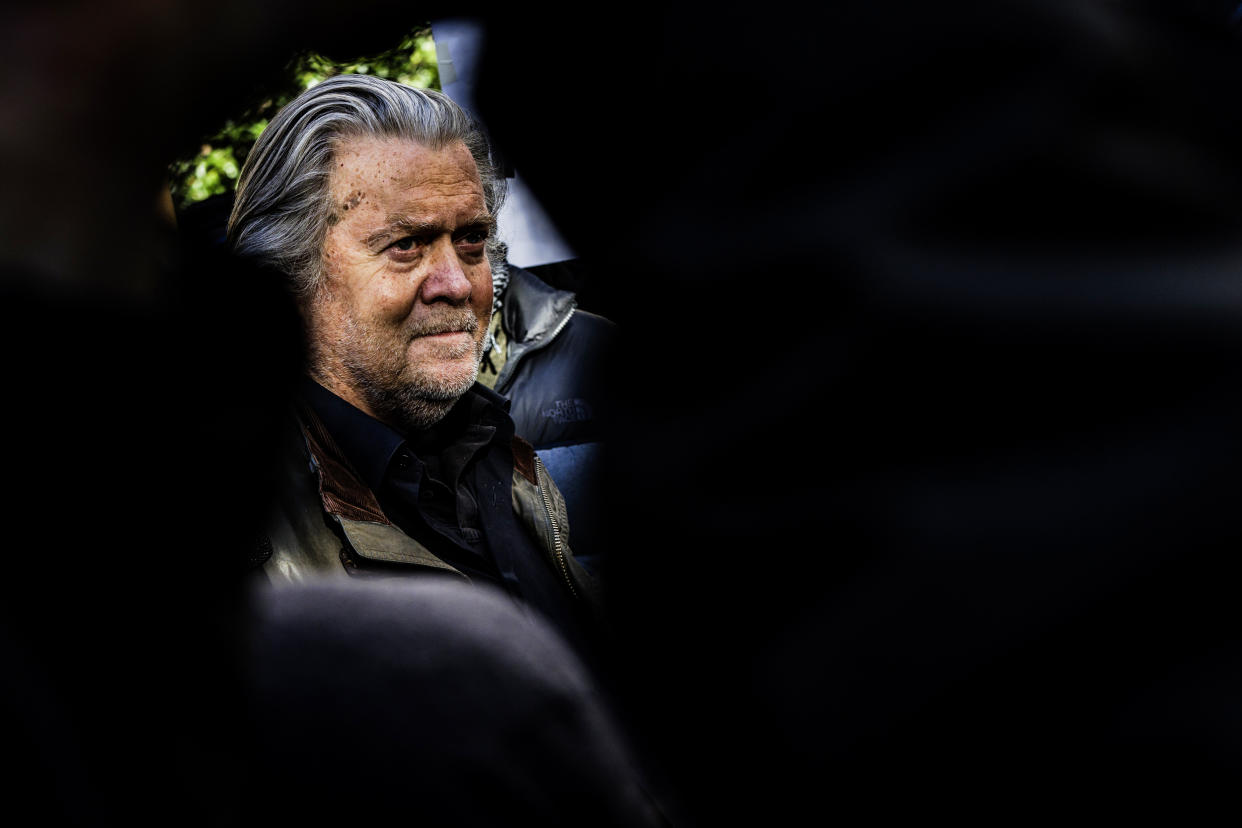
(557, 330)
(558, 545)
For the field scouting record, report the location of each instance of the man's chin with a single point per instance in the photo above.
(447, 383)
(421, 399)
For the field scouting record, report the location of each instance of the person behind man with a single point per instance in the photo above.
(378, 202)
(549, 358)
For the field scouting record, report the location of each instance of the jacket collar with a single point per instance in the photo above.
(532, 308)
(368, 531)
(532, 312)
(368, 443)
(341, 489)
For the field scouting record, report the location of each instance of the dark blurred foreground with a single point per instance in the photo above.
(925, 448)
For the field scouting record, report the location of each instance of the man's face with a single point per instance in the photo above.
(398, 325)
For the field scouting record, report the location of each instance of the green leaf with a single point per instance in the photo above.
(195, 177)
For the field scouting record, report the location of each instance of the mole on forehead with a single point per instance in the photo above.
(370, 155)
(370, 173)
(410, 173)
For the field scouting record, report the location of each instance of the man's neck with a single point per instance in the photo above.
(329, 381)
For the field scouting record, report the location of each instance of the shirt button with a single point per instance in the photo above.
(403, 461)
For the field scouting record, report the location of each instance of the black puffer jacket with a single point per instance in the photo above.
(554, 376)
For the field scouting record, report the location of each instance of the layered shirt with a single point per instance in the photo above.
(448, 487)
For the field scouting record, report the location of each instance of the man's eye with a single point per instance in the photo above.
(405, 244)
(475, 237)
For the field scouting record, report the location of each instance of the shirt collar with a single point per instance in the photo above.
(367, 443)
(370, 445)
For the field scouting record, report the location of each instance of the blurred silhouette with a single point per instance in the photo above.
(550, 359)
(464, 712)
(951, 527)
(952, 531)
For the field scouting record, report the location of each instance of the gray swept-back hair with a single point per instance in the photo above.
(283, 207)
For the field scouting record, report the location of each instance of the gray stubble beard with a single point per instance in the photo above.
(411, 407)
(411, 404)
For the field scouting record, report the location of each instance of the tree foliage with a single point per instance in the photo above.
(213, 170)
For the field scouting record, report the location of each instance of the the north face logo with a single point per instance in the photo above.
(569, 411)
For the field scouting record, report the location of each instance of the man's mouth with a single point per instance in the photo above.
(446, 329)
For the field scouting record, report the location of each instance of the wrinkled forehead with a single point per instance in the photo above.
(380, 172)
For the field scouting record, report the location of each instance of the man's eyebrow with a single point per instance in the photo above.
(405, 226)
(398, 225)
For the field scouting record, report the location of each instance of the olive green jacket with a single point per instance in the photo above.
(326, 521)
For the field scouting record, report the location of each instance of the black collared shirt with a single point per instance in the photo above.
(449, 488)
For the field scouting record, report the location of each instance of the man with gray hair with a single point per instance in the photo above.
(378, 202)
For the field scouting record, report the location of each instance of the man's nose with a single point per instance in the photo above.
(446, 278)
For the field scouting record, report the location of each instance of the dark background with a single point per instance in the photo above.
(924, 430)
